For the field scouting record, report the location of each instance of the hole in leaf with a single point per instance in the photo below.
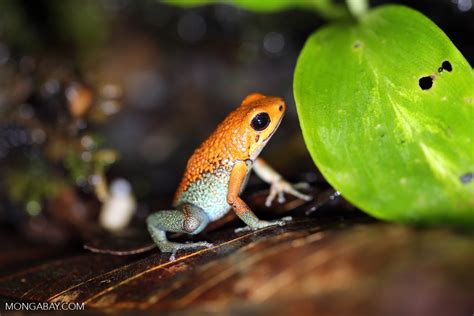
(425, 82)
(447, 65)
(357, 44)
(440, 69)
(466, 178)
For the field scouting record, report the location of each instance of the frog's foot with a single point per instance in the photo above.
(281, 186)
(173, 247)
(263, 224)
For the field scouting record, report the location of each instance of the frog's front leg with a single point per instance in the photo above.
(279, 186)
(187, 218)
(237, 177)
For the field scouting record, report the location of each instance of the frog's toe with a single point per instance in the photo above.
(281, 197)
(173, 247)
(243, 229)
(263, 224)
(282, 221)
(173, 255)
(302, 186)
(292, 190)
(271, 196)
(199, 244)
(280, 187)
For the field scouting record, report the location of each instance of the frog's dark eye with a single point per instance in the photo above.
(260, 121)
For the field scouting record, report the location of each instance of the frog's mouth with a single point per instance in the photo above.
(257, 151)
(274, 130)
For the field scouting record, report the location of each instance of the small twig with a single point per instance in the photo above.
(120, 252)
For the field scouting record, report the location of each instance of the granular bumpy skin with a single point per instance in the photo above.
(218, 171)
(209, 192)
(233, 140)
(226, 144)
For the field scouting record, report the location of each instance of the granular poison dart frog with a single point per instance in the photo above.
(217, 173)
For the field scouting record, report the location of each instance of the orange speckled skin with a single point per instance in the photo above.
(217, 173)
(233, 140)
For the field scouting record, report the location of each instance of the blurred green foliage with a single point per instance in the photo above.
(35, 182)
(80, 26)
(15, 27)
(85, 28)
(326, 8)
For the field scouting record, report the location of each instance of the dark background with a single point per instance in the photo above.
(162, 78)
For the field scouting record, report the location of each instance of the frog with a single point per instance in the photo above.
(218, 171)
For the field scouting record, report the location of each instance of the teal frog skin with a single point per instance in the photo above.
(217, 173)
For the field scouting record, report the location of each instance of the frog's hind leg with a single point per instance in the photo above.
(187, 218)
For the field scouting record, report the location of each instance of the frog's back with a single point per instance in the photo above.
(227, 144)
(206, 178)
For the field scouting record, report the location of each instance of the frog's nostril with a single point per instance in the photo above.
(281, 107)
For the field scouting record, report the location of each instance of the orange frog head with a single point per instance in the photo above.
(252, 124)
(239, 137)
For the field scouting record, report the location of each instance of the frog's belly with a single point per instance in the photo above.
(209, 193)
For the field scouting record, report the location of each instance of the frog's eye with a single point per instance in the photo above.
(260, 121)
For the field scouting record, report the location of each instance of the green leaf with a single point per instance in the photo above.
(326, 8)
(393, 149)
